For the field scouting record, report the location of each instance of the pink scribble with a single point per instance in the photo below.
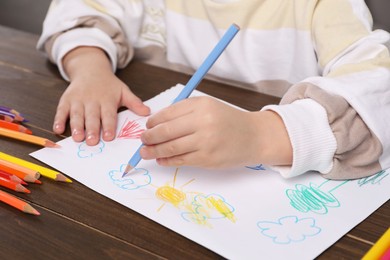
(130, 130)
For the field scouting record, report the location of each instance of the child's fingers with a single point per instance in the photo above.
(76, 121)
(109, 120)
(133, 103)
(92, 123)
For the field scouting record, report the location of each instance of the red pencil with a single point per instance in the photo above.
(12, 177)
(13, 185)
(23, 173)
(15, 127)
(6, 118)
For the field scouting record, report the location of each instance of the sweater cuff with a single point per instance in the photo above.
(82, 37)
(312, 139)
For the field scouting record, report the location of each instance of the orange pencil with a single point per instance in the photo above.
(27, 138)
(13, 185)
(12, 177)
(24, 173)
(17, 203)
(15, 127)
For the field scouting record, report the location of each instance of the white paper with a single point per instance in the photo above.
(241, 213)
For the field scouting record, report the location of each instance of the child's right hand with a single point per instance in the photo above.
(93, 97)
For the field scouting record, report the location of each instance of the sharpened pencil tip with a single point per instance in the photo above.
(29, 209)
(51, 144)
(128, 168)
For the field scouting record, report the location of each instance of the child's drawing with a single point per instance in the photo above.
(289, 229)
(374, 179)
(205, 207)
(259, 167)
(318, 199)
(130, 130)
(138, 178)
(313, 198)
(195, 207)
(86, 151)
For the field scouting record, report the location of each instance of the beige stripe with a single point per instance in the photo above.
(336, 28)
(268, 15)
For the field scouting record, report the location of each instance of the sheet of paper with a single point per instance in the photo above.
(241, 213)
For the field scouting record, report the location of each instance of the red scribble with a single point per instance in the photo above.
(130, 130)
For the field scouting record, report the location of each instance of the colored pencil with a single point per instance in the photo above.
(46, 172)
(22, 172)
(193, 82)
(6, 118)
(15, 127)
(14, 117)
(17, 203)
(386, 255)
(379, 248)
(12, 177)
(27, 138)
(13, 185)
(10, 110)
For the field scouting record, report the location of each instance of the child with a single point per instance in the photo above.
(321, 56)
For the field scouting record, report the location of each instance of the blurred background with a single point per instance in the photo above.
(28, 15)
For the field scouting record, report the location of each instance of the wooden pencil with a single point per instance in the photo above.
(13, 185)
(27, 138)
(14, 117)
(46, 172)
(15, 127)
(22, 172)
(12, 177)
(10, 110)
(6, 118)
(17, 203)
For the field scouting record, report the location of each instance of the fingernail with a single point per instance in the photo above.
(107, 134)
(57, 126)
(76, 132)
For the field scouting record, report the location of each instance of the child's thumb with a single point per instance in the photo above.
(135, 104)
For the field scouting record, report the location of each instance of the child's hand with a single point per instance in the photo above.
(93, 97)
(205, 132)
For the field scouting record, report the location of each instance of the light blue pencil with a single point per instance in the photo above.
(193, 82)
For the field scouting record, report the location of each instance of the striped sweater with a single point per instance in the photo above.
(321, 56)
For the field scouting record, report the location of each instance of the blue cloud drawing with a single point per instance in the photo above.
(289, 229)
(86, 151)
(138, 178)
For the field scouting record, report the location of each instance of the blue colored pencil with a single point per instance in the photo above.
(193, 82)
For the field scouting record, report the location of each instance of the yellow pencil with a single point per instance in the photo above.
(46, 172)
(27, 138)
(379, 248)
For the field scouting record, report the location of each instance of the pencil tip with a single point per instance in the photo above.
(62, 178)
(29, 209)
(51, 144)
(128, 168)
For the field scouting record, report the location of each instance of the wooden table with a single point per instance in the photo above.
(78, 223)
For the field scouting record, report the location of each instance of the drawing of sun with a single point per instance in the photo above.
(172, 195)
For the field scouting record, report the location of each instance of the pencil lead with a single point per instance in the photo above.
(51, 144)
(60, 177)
(128, 168)
(29, 209)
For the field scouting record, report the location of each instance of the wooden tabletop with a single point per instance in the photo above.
(75, 221)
